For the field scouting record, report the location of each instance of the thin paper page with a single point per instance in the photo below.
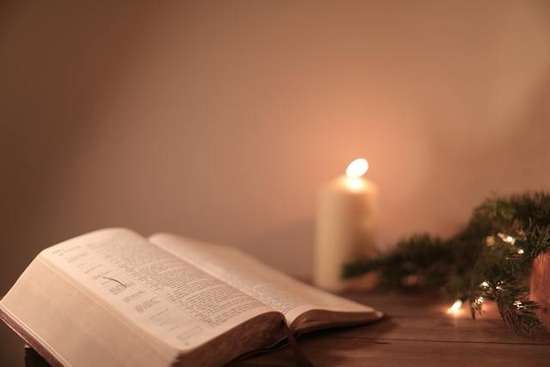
(161, 293)
(271, 287)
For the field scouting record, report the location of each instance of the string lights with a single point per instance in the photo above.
(490, 259)
(455, 307)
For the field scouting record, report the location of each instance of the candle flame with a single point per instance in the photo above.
(455, 308)
(357, 168)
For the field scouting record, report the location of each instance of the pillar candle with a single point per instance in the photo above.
(345, 225)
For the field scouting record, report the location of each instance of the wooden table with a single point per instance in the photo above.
(418, 333)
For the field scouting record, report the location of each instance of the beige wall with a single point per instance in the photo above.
(221, 120)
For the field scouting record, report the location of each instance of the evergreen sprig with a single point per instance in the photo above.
(489, 259)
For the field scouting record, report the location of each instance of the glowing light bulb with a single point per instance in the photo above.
(507, 238)
(455, 308)
(479, 300)
(484, 285)
(521, 251)
(357, 168)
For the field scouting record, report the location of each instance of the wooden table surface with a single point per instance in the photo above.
(417, 333)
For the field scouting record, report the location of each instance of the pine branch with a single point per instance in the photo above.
(490, 259)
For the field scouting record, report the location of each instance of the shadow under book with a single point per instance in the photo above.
(114, 298)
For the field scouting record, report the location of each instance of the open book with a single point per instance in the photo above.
(115, 298)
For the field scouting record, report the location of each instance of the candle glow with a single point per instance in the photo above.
(354, 174)
(357, 168)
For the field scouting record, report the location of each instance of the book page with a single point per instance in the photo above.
(163, 294)
(271, 287)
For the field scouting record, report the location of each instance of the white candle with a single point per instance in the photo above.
(345, 225)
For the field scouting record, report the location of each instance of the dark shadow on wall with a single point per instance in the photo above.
(57, 63)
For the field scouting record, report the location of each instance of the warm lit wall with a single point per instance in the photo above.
(221, 120)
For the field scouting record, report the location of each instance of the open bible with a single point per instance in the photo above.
(115, 298)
